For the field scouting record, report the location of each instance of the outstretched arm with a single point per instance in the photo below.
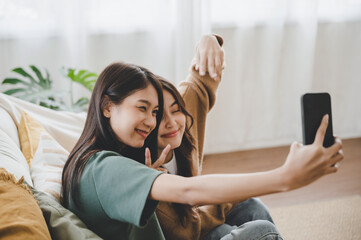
(304, 165)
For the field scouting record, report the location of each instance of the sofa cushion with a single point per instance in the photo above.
(8, 126)
(65, 127)
(29, 135)
(62, 223)
(47, 166)
(20, 215)
(12, 159)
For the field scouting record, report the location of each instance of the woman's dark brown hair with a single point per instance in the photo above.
(116, 82)
(184, 152)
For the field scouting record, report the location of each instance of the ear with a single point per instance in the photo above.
(108, 107)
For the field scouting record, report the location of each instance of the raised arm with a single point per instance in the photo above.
(304, 165)
(199, 90)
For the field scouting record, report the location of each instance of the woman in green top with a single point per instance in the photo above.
(116, 196)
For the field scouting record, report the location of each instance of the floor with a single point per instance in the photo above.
(346, 182)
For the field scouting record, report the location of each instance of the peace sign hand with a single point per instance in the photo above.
(157, 165)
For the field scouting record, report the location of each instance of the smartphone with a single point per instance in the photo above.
(314, 106)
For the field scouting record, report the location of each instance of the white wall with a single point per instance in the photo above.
(269, 66)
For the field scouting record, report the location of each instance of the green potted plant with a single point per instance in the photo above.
(36, 87)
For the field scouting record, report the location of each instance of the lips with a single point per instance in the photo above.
(142, 133)
(170, 134)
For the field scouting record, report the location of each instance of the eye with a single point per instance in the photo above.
(155, 112)
(177, 109)
(142, 108)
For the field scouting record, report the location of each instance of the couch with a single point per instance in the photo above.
(34, 144)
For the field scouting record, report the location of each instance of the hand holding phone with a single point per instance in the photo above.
(314, 106)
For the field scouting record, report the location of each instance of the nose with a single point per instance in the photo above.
(150, 121)
(169, 121)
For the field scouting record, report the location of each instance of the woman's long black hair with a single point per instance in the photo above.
(116, 82)
(184, 152)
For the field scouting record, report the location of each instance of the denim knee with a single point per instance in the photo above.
(259, 209)
(249, 210)
(255, 230)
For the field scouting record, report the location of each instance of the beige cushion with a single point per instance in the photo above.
(47, 166)
(8, 126)
(12, 159)
(64, 127)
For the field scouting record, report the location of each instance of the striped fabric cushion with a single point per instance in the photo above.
(47, 166)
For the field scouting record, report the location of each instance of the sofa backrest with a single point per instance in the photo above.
(8, 126)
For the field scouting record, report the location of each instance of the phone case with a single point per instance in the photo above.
(313, 107)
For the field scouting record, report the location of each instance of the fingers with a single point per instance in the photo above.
(336, 159)
(337, 156)
(336, 147)
(148, 160)
(162, 169)
(211, 66)
(219, 66)
(321, 131)
(197, 60)
(162, 157)
(202, 64)
(209, 57)
(336, 153)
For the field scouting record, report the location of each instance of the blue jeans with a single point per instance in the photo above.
(249, 220)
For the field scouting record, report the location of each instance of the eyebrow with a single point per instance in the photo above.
(147, 102)
(174, 103)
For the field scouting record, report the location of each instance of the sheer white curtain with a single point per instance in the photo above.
(275, 51)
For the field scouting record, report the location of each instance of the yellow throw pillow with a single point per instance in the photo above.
(29, 134)
(20, 215)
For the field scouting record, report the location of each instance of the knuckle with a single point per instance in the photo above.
(319, 149)
(338, 145)
(202, 52)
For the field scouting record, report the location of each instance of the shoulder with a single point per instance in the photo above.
(110, 157)
(108, 164)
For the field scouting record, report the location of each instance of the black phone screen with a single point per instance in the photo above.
(314, 106)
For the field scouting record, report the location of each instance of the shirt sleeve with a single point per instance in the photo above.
(122, 186)
(199, 94)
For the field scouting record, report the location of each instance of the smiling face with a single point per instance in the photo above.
(172, 126)
(135, 117)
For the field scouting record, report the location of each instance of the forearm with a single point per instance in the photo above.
(217, 188)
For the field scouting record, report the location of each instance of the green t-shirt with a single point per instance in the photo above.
(113, 196)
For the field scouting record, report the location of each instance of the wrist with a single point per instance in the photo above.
(283, 179)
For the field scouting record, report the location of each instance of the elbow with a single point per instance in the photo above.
(190, 195)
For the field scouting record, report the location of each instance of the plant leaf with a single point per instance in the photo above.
(48, 80)
(82, 101)
(80, 104)
(84, 78)
(15, 90)
(42, 81)
(71, 73)
(15, 81)
(23, 73)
